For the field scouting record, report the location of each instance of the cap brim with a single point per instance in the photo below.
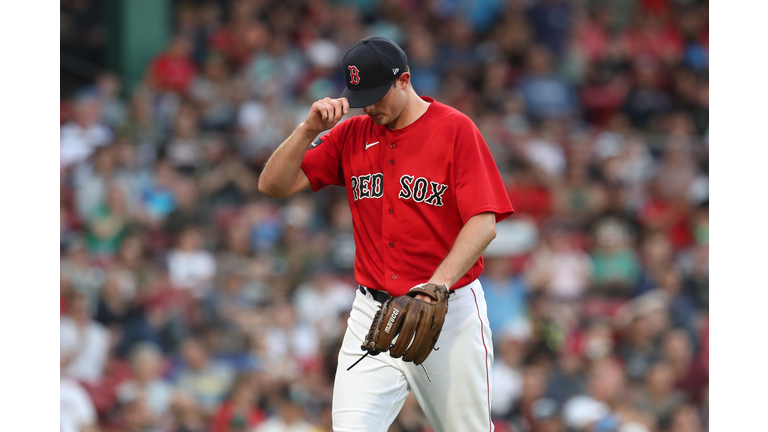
(363, 98)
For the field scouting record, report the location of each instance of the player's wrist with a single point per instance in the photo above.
(441, 282)
(306, 132)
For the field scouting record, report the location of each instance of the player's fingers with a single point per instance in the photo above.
(331, 109)
(331, 112)
(317, 107)
(338, 111)
(344, 104)
(325, 111)
(422, 297)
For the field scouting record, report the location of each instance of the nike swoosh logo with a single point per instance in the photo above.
(370, 145)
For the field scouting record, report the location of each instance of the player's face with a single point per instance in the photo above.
(387, 110)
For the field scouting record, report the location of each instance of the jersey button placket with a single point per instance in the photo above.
(386, 231)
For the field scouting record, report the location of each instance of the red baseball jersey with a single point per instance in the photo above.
(410, 190)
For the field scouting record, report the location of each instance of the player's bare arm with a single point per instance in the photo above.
(282, 175)
(472, 240)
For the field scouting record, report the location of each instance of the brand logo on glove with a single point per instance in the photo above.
(391, 320)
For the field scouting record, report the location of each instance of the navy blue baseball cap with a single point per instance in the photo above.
(370, 67)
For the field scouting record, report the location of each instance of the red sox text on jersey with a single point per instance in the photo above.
(419, 189)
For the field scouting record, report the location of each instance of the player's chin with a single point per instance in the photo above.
(379, 119)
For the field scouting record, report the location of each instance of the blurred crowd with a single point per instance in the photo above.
(190, 302)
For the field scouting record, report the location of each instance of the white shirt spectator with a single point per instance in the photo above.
(321, 307)
(209, 386)
(76, 409)
(193, 270)
(276, 424)
(157, 393)
(548, 156)
(299, 342)
(78, 142)
(90, 348)
(581, 411)
(567, 271)
(507, 388)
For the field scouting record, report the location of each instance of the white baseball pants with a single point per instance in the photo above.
(369, 397)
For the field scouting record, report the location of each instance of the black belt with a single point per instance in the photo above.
(381, 296)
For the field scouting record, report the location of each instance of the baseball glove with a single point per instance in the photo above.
(416, 323)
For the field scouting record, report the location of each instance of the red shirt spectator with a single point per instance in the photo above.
(655, 7)
(591, 36)
(671, 218)
(240, 404)
(531, 196)
(240, 40)
(655, 40)
(173, 70)
(602, 98)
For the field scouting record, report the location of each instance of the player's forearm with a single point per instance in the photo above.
(472, 240)
(282, 168)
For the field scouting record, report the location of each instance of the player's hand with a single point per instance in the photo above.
(424, 298)
(325, 113)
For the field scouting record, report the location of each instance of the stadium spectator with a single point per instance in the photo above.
(76, 410)
(173, 70)
(507, 375)
(290, 345)
(84, 343)
(659, 397)
(546, 416)
(122, 311)
(321, 300)
(146, 364)
(505, 295)
(84, 134)
(190, 266)
(239, 410)
(107, 225)
(616, 266)
(547, 96)
(189, 210)
(690, 373)
(567, 377)
(108, 87)
(205, 381)
(288, 416)
(78, 273)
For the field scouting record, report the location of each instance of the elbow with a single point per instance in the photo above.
(268, 189)
(490, 227)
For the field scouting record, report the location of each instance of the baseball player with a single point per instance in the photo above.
(425, 196)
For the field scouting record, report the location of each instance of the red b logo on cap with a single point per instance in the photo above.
(354, 77)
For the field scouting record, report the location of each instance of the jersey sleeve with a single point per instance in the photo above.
(322, 162)
(479, 187)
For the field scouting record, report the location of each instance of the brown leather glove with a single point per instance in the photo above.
(416, 323)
